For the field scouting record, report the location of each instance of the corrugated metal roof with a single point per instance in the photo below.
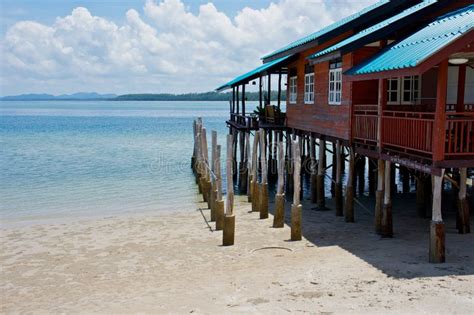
(415, 49)
(252, 74)
(372, 29)
(327, 29)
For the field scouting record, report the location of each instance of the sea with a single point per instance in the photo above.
(75, 159)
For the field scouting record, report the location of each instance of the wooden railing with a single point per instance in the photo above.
(408, 130)
(244, 121)
(365, 123)
(459, 134)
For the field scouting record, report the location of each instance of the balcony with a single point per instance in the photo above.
(411, 133)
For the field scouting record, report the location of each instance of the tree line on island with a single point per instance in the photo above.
(205, 96)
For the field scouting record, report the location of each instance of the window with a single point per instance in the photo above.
(405, 90)
(309, 88)
(335, 86)
(293, 90)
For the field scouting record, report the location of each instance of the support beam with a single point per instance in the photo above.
(320, 178)
(269, 88)
(229, 218)
(379, 195)
(243, 99)
(337, 164)
(463, 206)
(420, 195)
(279, 218)
(237, 102)
(437, 228)
(439, 132)
(349, 204)
(313, 169)
(255, 187)
(461, 88)
(264, 181)
(260, 92)
(279, 89)
(296, 208)
(387, 229)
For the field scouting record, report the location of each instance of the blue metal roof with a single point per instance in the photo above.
(377, 27)
(252, 74)
(415, 49)
(327, 29)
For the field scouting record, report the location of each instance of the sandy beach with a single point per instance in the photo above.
(173, 263)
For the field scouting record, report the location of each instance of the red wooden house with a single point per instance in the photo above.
(395, 83)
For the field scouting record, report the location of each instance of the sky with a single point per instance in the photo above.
(148, 46)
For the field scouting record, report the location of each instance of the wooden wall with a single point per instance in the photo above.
(320, 117)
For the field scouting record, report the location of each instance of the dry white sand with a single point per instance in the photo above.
(173, 263)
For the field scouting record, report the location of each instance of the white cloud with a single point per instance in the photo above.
(164, 48)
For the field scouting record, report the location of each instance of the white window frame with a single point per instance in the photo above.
(309, 88)
(293, 90)
(335, 80)
(400, 91)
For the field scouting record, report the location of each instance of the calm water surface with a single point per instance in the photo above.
(75, 158)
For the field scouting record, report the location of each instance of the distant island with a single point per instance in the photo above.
(205, 96)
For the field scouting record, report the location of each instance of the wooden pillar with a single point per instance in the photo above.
(279, 218)
(206, 182)
(269, 88)
(212, 193)
(313, 169)
(264, 184)
(337, 165)
(235, 141)
(333, 170)
(242, 180)
(279, 89)
(320, 178)
(464, 225)
(437, 228)
(233, 99)
(379, 195)
(219, 211)
(361, 174)
(193, 158)
(439, 132)
(260, 92)
(461, 88)
(349, 204)
(248, 166)
(243, 99)
(255, 187)
(229, 218)
(420, 195)
(372, 177)
(270, 155)
(296, 208)
(237, 100)
(387, 229)
(289, 163)
(405, 177)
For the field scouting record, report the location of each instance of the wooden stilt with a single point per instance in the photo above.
(229, 220)
(463, 206)
(379, 195)
(235, 132)
(372, 177)
(296, 208)
(337, 165)
(333, 170)
(289, 164)
(213, 192)
(437, 228)
(320, 179)
(361, 175)
(387, 229)
(219, 205)
(420, 195)
(206, 183)
(405, 176)
(242, 163)
(193, 158)
(255, 193)
(248, 165)
(279, 217)
(313, 170)
(349, 204)
(263, 189)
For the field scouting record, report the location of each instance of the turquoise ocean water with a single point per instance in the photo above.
(84, 158)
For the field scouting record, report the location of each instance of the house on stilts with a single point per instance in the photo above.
(392, 85)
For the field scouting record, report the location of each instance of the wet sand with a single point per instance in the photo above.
(173, 263)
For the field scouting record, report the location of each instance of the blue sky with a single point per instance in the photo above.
(148, 46)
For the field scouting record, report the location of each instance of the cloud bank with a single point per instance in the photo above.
(163, 48)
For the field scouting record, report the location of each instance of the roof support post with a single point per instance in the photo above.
(243, 99)
(461, 88)
(279, 88)
(233, 99)
(260, 91)
(439, 132)
(269, 88)
(237, 99)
